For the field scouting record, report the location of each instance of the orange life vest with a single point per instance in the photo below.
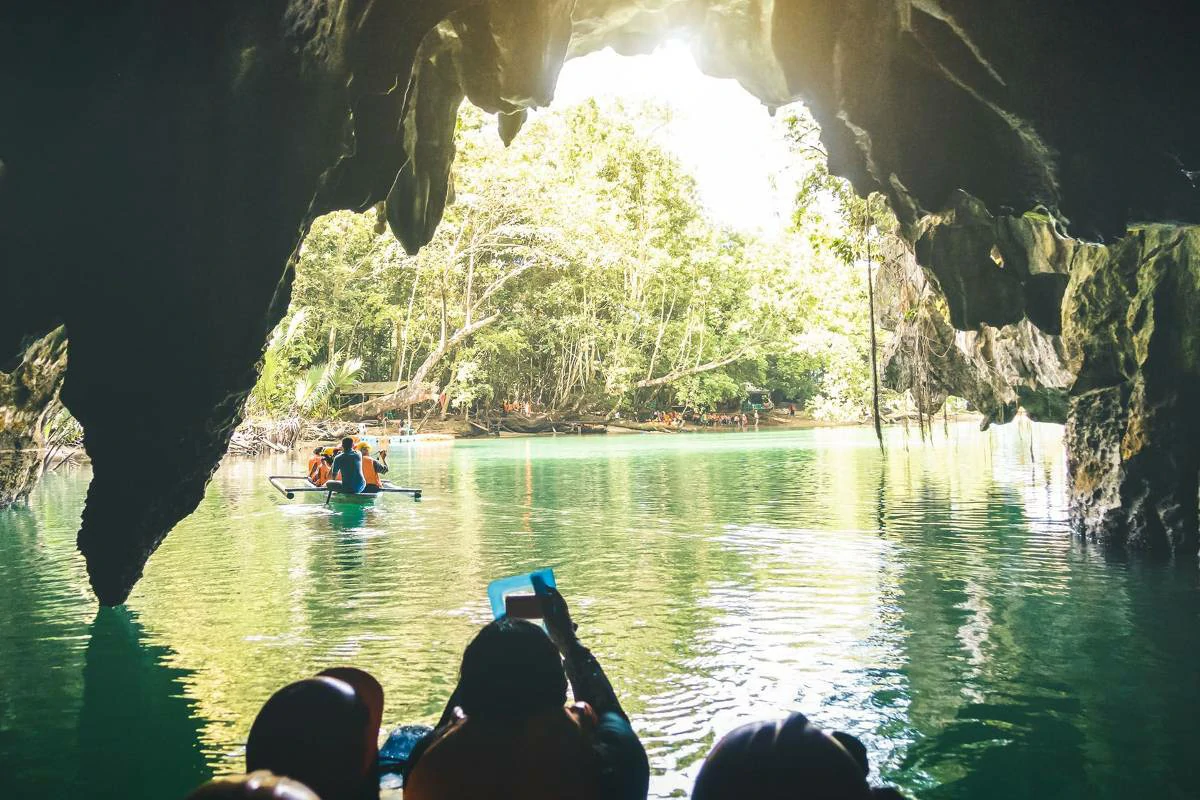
(545, 757)
(368, 471)
(318, 470)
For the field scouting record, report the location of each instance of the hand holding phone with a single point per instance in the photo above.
(555, 615)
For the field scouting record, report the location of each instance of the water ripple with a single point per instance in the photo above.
(929, 600)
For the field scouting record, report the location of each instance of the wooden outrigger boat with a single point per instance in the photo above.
(304, 485)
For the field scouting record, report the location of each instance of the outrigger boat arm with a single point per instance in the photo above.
(290, 491)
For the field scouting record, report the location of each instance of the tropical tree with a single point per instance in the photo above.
(577, 269)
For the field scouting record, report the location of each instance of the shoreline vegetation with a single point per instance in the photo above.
(613, 293)
(518, 425)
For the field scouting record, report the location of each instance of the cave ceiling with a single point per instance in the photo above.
(162, 162)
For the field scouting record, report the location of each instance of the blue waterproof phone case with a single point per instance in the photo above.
(518, 584)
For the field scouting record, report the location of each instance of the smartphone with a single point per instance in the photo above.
(523, 606)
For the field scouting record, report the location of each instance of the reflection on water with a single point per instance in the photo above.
(130, 699)
(929, 600)
(88, 709)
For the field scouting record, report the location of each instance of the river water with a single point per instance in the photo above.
(929, 600)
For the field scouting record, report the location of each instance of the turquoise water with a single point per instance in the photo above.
(930, 601)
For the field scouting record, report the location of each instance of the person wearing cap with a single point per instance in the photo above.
(323, 732)
(370, 692)
(785, 760)
(318, 466)
(371, 468)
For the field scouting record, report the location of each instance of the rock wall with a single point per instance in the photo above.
(998, 370)
(974, 312)
(160, 162)
(1134, 435)
(27, 394)
(1124, 374)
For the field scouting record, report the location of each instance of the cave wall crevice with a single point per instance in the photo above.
(998, 369)
(28, 394)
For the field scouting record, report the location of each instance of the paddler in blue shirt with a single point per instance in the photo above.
(347, 470)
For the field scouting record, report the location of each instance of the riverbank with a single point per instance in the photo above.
(432, 431)
(514, 425)
(445, 431)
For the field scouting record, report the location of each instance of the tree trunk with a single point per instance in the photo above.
(664, 314)
(412, 298)
(416, 389)
(467, 305)
(874, 365)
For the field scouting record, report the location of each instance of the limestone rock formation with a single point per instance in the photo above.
(27, 394)
(1124, 375)
(998, 370)
(976, 312)
(997, 270)
(1134, 433)
(162, 161)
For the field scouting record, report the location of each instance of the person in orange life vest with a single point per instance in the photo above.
(318, 467)
(507, 731)
(371, 468)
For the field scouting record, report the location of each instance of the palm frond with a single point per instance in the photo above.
(293, 328)
(344, 374)
(317, 386)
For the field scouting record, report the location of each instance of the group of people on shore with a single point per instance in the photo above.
(677, 419)
(352, 470)
(674, 419)
(516, 407)
(508, 731)
(741, 421)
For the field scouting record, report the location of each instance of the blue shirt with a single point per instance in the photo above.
(350, 467)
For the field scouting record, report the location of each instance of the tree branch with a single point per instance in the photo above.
(662, 380)
(416, 390)
(499, 283)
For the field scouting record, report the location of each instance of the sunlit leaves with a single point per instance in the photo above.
(624, 282)
(316, 387)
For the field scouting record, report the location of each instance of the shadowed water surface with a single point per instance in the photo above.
(929, 600)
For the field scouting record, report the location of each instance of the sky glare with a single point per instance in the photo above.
(721, 133)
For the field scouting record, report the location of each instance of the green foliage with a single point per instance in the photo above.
(61, 429)
(316, 388)
(469, 385)
(60, 432)
(708, 389)
(850, 236)
(588, 275)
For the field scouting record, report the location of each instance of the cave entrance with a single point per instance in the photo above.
(598, 281)
(656, 248)
(268, 114)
